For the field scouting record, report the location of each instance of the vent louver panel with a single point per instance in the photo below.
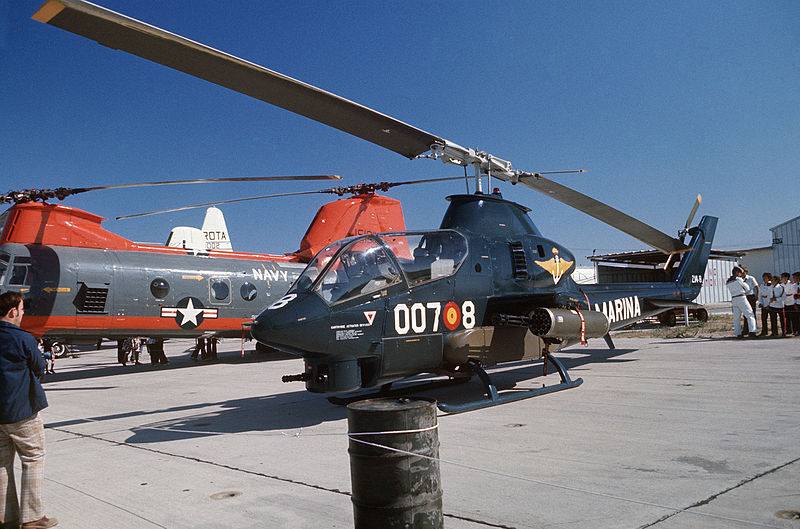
(91, 299)
(518, 260)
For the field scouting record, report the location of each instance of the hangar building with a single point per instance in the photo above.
(645, 266)
(786, 246)
(782, 256)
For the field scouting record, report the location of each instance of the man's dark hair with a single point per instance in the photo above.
(8, 301)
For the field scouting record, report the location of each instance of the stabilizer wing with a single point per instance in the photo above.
(671, 303)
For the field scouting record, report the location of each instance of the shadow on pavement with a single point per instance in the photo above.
(284, 411)
(176, 362)
(301, 409)
(506, 377)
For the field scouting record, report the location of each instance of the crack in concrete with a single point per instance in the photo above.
(253, 472)
(711, 498)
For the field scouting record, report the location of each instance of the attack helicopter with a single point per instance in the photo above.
(485, 288)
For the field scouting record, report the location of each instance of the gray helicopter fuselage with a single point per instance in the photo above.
(79, 295)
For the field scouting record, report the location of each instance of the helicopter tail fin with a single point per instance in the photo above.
(693, 264)
(215, 231)
(212, 236)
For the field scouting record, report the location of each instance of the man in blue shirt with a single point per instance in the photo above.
(21, 428)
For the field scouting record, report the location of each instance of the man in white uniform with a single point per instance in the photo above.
(776, 306)
(789, 305)
(796, 278)
(764, 297)
(737, 287)
(752, 290)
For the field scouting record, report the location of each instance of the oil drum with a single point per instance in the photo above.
(392, 489)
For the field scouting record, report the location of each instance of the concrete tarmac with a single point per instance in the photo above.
(687, 433)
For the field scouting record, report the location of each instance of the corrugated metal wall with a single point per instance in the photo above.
(717, 273)
(713, 291)
(786, 247)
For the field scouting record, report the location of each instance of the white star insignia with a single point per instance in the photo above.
(190, 313)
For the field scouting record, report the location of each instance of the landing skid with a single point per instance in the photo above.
(385, 390)
(493, 398)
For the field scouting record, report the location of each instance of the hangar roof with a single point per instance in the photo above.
(654, 257)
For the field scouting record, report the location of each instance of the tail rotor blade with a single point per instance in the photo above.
(689, 220)
(692, 213)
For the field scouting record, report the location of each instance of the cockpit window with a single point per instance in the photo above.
(4, 259)
(361, 268)
(20, 271)
(428, 256)
(358, 266)
(317, 264)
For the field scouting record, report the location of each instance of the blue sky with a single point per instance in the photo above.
(658, 101)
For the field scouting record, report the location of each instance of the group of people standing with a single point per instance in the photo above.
(206, 348)
(129, 349)
(778, 297)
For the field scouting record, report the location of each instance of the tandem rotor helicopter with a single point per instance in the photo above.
(83, 283)
(485, 288)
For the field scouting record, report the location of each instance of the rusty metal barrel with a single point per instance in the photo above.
(393, 489)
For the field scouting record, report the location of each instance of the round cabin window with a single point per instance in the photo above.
(248, 291)
(220, 289)
(159, 287)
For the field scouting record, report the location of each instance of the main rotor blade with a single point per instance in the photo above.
(32, 195)
(613, 217)
(214, 180)
(362, 189)
(117, 31)
(221, 202)
(120, 32)
(426, 180)
(357, 189)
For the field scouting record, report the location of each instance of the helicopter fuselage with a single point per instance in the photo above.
(485, 288)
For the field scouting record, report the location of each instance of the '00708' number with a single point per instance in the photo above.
(415, 318)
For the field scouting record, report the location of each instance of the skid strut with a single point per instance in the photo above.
(387, 391)
(494, 398)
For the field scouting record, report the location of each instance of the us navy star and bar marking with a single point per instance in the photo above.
(189, 313)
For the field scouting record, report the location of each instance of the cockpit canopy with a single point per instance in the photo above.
(362, 265)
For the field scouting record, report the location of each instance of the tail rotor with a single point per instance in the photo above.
(682, 233)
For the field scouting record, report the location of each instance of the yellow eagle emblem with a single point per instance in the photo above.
(556, 266)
